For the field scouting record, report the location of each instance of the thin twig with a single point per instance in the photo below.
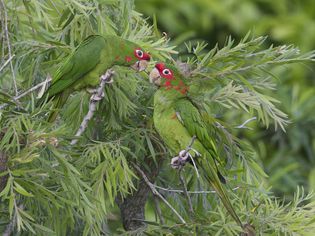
(6, 62)
(243, 126)
(183, 182)
(92, 105)
(194, 163)
(10, 227)
(28, 91)
(189, 147)
(9, 45)
(2, 36)
(190, 192)
(156, 193)
(34, 88)
(158, 210)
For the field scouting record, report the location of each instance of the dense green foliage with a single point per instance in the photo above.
(289, 157)
(54, 188)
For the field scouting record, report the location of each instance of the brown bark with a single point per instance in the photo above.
(3, 167)
(249, 230)
(132, 208)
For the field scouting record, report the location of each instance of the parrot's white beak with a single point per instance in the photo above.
(140, 65)
(155, 77)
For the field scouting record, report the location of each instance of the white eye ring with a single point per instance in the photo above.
(166, 72)
(139, 53)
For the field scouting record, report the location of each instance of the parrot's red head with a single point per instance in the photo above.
(161, 73)
(164, 71)
(167, 76)
(142, 59)
(130, 54)
(141, 55)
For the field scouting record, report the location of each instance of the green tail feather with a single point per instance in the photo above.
(59, 100)
(211, 176)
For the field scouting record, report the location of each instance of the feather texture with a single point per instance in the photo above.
(84, 66)
(177, 120)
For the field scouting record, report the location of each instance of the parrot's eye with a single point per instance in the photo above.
(139, 53)
(166, 72)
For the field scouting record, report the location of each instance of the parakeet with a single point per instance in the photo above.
(177, 119)
(88, 62)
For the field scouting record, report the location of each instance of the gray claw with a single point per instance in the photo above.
(180, 160)
(175, 163)
(110, 81)
(95, 97)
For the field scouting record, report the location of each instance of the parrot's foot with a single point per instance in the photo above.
(105, 78)
(180, 160)
(96, 97)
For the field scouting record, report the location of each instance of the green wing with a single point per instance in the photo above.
(200, 124)
(197, 125)
(191, 118)
(80, 62)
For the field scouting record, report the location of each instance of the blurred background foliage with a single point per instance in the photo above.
(288, 158)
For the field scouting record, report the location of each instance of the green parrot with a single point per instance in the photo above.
(90, 60)
(177, 119)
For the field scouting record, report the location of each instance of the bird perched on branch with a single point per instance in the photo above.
(90, 60)
(178, 121)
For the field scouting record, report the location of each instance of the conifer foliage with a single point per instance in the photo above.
(117, 177)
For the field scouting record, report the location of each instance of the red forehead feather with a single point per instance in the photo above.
(146, 56)
(160, 66)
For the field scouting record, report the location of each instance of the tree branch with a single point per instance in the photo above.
(10, 227)
(105, 79)
(189, 147)
(158, 209)
(48, 79)
(6, 62)
(6, 30)
(190, 192)
(156, 193)
(3, 167)
(183, 182)
(132, 207)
